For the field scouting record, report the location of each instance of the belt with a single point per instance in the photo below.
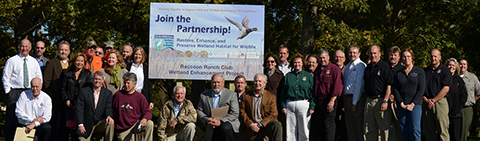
(375, 97)
(324, 97)
(467, 106)
(349, 95)
(295, 99)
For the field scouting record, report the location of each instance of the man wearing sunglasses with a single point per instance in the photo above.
(94, 63)
(39, 54)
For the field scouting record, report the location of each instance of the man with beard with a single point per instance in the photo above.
(435, 121)
(39, 54)
(52, 82)
(394, 59)
(217, 97)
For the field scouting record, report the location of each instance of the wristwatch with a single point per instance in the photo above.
(385, 101)
(259, 125)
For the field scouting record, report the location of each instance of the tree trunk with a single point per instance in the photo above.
(308, 28)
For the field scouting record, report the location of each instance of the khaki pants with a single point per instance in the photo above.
(435, 121)
(147, 131)
(185, 134)
(375, 120)
(467, 117)
(100, 127)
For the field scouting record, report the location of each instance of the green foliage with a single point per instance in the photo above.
(450, 25)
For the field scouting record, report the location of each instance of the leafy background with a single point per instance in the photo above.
(305, 26)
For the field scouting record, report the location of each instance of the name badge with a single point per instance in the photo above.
(304, 78)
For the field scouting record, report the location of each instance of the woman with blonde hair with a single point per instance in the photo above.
(114, 70)
(456, 97)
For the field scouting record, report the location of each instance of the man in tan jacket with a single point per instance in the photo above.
(259, 112)
(178, 117)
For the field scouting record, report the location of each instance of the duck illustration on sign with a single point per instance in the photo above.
(244, 29)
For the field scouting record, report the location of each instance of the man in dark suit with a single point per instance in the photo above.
(217, 97)
(52, 82)
(259, 112)
(94, 110)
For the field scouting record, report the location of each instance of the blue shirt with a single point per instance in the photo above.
(177, 108)
(41, 63)
(216, 99)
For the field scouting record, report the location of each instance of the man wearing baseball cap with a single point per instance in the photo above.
(94, 63)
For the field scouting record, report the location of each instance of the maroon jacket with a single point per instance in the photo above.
(328, 81)
(128, 109)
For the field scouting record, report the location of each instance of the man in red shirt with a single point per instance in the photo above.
(327, 87)
(131, 111)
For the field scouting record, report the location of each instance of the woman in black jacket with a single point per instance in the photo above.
(75, 78)
(408, 88)
(139, 67)
(456, 97)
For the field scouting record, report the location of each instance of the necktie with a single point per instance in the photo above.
(25, 73)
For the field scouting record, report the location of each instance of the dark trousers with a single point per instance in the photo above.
(224, 132)
(59, 129)
(455, 128)
(341, 131)
(325, 121)
(273, 130)
(42, 132)
(11, 119)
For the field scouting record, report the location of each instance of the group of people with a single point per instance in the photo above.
(74, 98)
(391, 100)
(103, 93)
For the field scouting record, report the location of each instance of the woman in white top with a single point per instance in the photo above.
(139, 67)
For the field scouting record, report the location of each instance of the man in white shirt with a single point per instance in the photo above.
(283, 64)
(352, 88)
(34, 110)
(19, 70)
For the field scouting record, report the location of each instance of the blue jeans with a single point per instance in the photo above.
(410, 123)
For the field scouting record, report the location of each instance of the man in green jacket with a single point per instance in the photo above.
(178, 117)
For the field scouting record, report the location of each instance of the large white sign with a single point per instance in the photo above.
(195, 41)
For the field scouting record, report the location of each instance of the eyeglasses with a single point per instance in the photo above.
(92, 47)
(40, 47)
(99, 53)
(270, 61)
